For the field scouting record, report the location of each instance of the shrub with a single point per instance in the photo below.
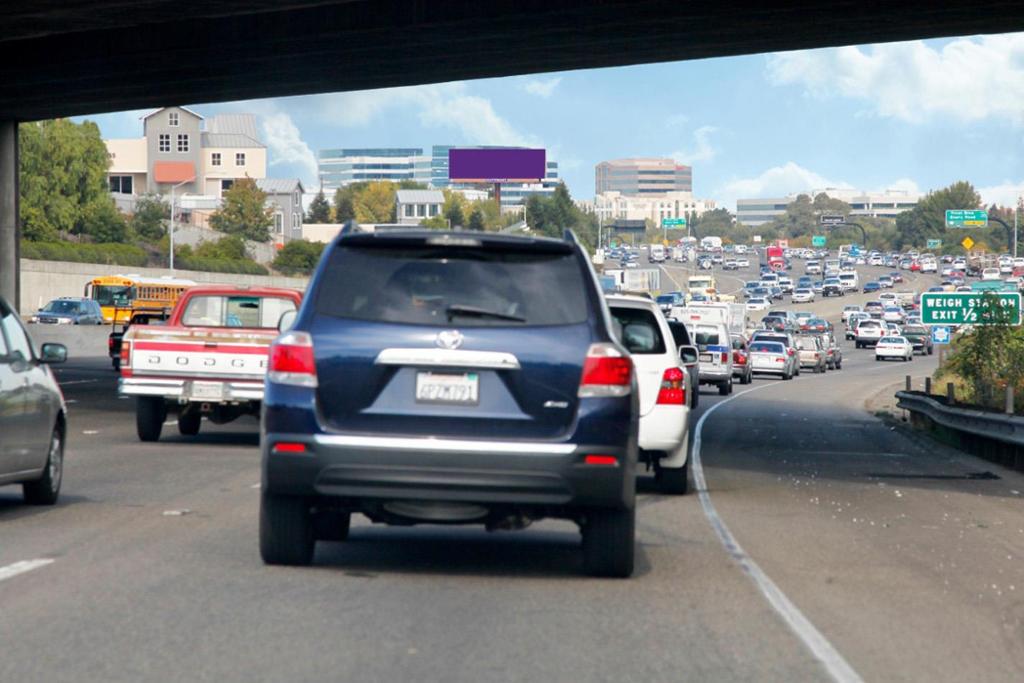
(113, 254)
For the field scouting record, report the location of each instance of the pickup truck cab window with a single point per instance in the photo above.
(236, 311)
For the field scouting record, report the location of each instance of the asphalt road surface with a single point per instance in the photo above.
(901, 558)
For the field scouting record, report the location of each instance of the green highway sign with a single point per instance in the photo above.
(818, 241)
(673, 222)
(970, 308)
(934, 244)
(966, 218)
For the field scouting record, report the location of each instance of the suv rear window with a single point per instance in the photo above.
(474, 287)
(640, 330)
(707, 336)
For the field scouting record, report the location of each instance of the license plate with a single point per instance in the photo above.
(705, 357)
(208, 391)
(457, 389)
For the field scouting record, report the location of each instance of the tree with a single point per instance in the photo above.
(453, 208)
(927, 220)
(148, 220)
(102, 222)
(344, 205)
(319, 209)
(476, 220)
(244, 212)
(376, 203)
(63, 180)
(230, 247)
(298, 257)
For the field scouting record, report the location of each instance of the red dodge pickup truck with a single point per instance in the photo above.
(208, 360)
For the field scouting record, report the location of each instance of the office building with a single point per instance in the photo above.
(887, 204)
(611, 206)
(341, 167)
(638, 177)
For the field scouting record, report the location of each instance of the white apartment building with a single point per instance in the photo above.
(612, 205)
(887, 204)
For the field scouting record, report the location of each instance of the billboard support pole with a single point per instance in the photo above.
(497, 196)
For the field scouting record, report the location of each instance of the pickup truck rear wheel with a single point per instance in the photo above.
(189, 422)
(150, 413)
(116, 363)
(609, 539)
(286, 530)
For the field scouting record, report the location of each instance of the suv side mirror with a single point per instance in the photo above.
(286, 320)
(53, 353)
(688, 354)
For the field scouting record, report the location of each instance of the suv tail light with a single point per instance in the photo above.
(673, 388)
(725, 356)
(606, 372)
(292, 361)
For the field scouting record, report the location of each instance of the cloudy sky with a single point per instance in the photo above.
(914, 115)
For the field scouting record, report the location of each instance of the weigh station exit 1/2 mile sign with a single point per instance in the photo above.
(970, 308)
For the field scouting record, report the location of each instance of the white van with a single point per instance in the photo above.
(848, 280)
(715, 347)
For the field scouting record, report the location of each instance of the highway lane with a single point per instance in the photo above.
(156, 575)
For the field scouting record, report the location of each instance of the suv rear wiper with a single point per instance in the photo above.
(474, 312)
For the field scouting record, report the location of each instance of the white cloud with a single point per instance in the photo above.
(777, 181)
(442, 105)
(702, 149)
(677, 121)
(287, 146)
(968, 79)
(541, 87)
(1006, 193)
(904, 185)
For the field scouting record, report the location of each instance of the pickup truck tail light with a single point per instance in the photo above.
(126, 355)
(606, 372)
(292, 361)
(673, 388)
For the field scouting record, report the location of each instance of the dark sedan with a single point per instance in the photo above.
(32, 413)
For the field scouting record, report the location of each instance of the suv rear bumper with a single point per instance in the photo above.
(381, 468)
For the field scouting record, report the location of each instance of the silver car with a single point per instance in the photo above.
(32, 413)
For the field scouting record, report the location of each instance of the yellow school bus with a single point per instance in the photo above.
(119, 295)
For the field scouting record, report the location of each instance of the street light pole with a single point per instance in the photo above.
(170, 231)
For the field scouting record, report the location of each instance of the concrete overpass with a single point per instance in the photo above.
(66, 57)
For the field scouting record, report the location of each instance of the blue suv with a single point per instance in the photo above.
(450, 378)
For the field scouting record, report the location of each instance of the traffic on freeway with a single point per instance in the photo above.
(791, 530)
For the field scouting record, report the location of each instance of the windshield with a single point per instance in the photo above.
(113, 295)
(68, 307)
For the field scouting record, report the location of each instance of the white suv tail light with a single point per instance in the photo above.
(607, 372)
(292, 361)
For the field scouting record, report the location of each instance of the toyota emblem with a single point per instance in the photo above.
(449, 339)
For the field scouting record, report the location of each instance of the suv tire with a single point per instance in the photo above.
(150, 413)
(674, 480)
(725, 388)
(286, 530)
(609, 540)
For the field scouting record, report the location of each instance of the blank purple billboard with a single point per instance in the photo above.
(496, 165)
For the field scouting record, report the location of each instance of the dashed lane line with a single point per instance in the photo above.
(17, 568)
(822, 650)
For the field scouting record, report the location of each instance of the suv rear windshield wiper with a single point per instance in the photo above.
(473, 312)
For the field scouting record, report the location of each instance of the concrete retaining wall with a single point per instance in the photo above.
(82, 340)
(42, 281)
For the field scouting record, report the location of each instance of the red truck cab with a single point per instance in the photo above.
(208, 360)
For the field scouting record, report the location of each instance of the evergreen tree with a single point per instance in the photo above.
(319, 209)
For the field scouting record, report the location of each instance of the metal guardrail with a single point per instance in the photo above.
(1008, 429)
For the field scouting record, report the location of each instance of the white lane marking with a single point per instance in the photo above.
(22, 567)
(69, 401)
(822, 650)
(255, 486)
(170, 423)
(78, 381)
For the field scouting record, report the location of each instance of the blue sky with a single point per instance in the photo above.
(915, 115)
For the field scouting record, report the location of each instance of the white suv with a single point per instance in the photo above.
(664, 386)
(868, 332)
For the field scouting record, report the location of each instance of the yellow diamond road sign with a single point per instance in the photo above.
(967, 242)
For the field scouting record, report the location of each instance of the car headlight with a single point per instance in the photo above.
(64, 321)
(34, 319)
